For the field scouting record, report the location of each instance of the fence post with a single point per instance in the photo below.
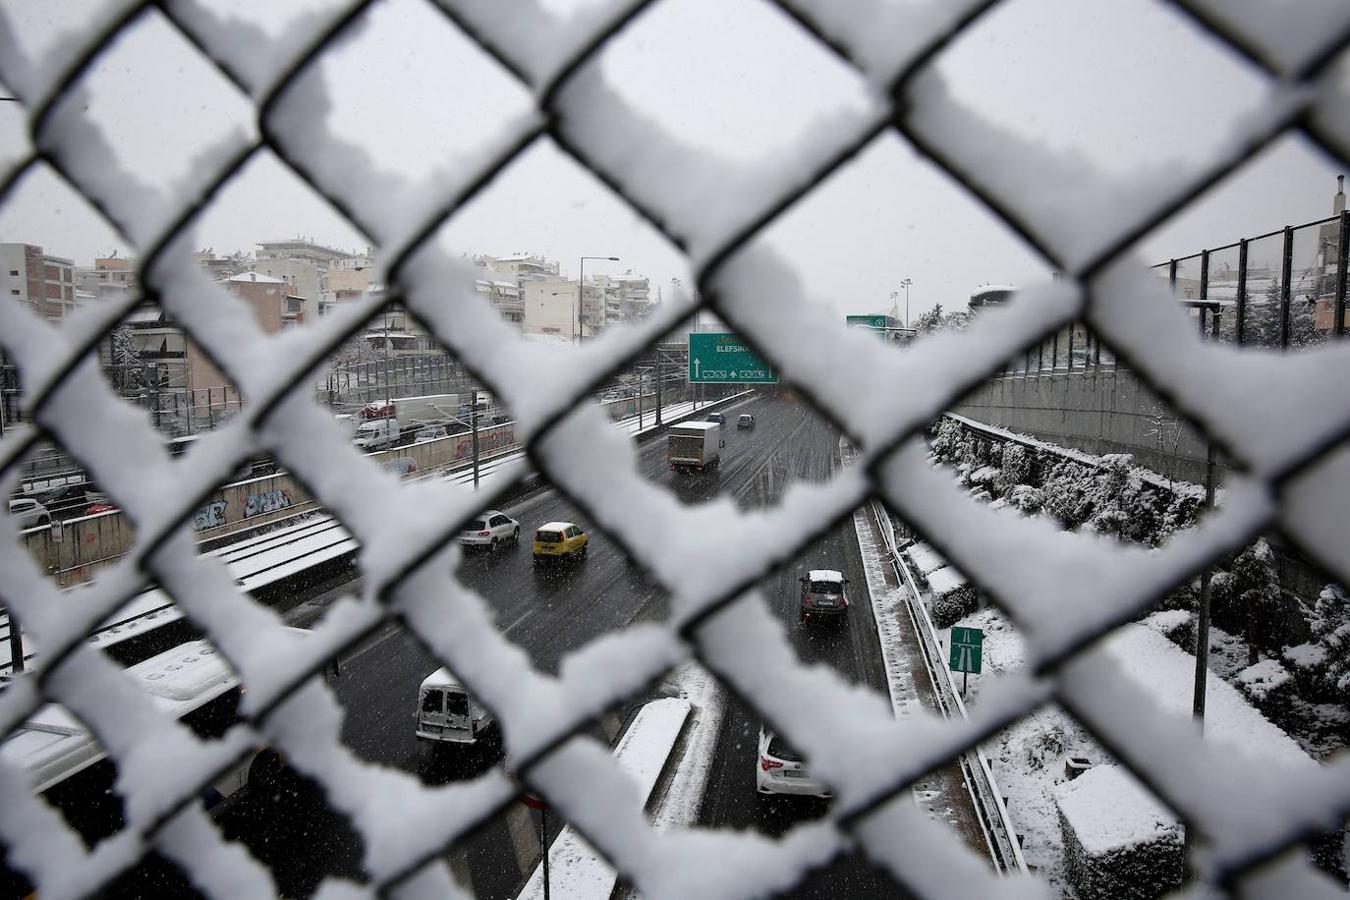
(1204, 290)
(1338, 327)
(1240, 326)
(1286, 275)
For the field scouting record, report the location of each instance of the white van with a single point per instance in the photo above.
(446, 712)
(376, 435)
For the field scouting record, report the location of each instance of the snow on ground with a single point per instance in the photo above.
(888, 609)
(679, 807)
(575, 868)
(1029, 757)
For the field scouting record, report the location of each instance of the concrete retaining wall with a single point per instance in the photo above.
(70, 551)
(1098, 412)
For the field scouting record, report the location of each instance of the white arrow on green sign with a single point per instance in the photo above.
(966, 652)
(721, 358)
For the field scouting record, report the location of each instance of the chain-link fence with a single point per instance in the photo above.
(1280, 421)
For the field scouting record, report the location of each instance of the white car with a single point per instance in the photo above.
(491, 530)
(779, 769)
(28, 514)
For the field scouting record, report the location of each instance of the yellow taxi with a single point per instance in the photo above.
(559, 540)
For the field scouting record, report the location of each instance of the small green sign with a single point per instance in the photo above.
(866, 321)
(720, 358)
(966, 653)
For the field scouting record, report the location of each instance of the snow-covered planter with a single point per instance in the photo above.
(1119, 842)
(953, 597)
(1269, 686)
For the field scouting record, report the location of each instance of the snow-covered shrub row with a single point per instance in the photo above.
(1109, 495)
(1119, 841)
(953, 597)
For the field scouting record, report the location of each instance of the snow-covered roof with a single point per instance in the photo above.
(945, 580)
(257, 277)
(1109, 810)
(440, 678)
(825, 575)
(699, 426)
(556, 526)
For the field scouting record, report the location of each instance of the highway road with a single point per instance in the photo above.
(550, 613)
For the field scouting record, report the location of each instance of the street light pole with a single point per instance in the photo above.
(905, 284)
(581, 287)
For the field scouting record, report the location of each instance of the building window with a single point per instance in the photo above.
(14, 292)
(13, 272)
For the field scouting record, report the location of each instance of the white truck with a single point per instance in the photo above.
(428, 408)
(694, 445)
(377, 434)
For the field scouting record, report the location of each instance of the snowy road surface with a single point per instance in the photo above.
(549, 614)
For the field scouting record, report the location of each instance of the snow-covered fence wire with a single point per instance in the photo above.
(1280, 419)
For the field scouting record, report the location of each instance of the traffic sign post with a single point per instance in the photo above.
(720, 358)
(966, 653)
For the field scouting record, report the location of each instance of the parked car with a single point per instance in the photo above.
(70, 500)
(402, 466)
(430, 433)
(823, 594)
(101, 506)
(28, 513)
(716, 417)
(745, 421)
(559, 540)
(779, 769)
(490, 530)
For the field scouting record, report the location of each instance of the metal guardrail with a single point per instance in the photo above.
(995, 822)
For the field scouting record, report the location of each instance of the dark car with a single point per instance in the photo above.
(716, 417)
(70, 500)
(823, 594)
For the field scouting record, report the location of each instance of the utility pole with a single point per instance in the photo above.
(905, 284)
(473, 427)
(659, 376)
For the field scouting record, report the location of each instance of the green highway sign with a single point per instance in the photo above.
(966, 653)
(866, 321)
(720, 358)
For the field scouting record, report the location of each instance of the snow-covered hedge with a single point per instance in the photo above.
(1119, 842)
(953, 597)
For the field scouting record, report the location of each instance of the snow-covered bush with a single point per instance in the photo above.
(1322, 665)
(1067, 491)
(1181, 512)
(1119, 842)
(1046, 744)
(1269, 686)
(1014, 467)
(1029, 500)
(1177, 625)
(948, 439)
(953, 597)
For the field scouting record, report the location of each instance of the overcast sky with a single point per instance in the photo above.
(1129, 84)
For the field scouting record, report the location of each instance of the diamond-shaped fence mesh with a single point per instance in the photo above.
(1063, 591)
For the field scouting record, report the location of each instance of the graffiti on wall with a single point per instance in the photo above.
(266, 502)
(488, 441)
(212, 515)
